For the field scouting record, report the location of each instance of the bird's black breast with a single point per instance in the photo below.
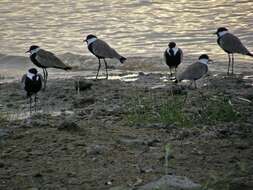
(173, 60)
(35, 62)
(91, 47)
(218, 41)
(32, 86)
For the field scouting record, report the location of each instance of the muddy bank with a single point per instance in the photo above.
(115, 133)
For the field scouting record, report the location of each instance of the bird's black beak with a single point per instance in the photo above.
(27, 51)
(85, 41)
(215, 33)
(210, 61)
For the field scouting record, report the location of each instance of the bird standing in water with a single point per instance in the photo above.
(45, 59)
(230, 44)
(32, 82)
(102, 50)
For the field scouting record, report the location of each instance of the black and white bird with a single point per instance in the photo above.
(32, 83)
(230, 44)
(102, 50)
(45, 59)
(195, 71)
(173, 56)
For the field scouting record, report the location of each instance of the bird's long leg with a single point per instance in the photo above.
(232, 63)
(35, 102)
(44, 78)
(30, 97)
(99, 65)
(195, 84)
(229, 60)
(170, 73)
(106, 69)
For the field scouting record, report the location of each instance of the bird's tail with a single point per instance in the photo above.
(122, 59)
(250, 54)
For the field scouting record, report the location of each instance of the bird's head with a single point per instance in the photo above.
(89, 37)
(172, 45)
(32, 49)
(33, 71)
(221, 29)
(205, 58)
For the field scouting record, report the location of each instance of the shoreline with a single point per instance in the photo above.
(116, 132)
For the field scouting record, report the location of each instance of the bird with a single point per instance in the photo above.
(195, 71)
(230, 44)
(173, 56)
(45, 59)
(32, 83)
(102, 50)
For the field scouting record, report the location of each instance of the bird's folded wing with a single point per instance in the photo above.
(48, 59)
(193, 71)
(181, 54)
(102, 49)
(232, 44)
(23, 81)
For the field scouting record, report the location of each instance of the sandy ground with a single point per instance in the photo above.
(90, 141)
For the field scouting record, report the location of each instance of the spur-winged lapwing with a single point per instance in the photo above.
(173, 56)
(230, 44)
(32, 82)
(102, 50)
(45, 59)
(195, 71)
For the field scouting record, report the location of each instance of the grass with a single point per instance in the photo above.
(161, 108)
(221, 181)
(215, 109)
(169, 109)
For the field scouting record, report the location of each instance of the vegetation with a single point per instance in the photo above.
(159, 108)
(180, 110)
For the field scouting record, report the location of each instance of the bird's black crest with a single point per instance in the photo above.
(90, 36)
(33, 47)
(172, 45)
(221, 29)
(33, 71)
(204, 56)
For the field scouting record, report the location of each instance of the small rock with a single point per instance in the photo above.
(68, 125)
(171, 182)
(129, 141)
(141, 74)
(109, 182)
(96, 149)
(82, 85)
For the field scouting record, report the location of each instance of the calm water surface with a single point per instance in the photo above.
(131, 27)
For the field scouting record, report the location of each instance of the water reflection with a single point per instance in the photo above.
(133, 28)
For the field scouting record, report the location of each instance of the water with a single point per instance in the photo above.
(133, 27)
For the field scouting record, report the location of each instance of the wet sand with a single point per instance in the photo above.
(91, 141)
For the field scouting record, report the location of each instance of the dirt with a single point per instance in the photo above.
(85, 140)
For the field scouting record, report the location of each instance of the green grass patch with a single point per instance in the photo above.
(153, 108)
(166, 108)
(217, 109)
